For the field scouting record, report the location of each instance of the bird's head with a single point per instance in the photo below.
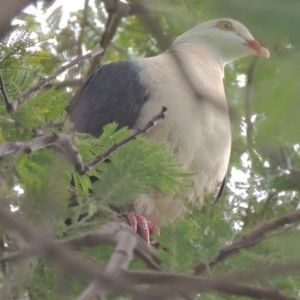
(226, 39)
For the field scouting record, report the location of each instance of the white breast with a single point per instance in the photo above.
(196, 128)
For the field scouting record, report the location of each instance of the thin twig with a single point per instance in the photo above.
(256, 235)
(8, 10)
(151, 24)
(105, 155)
(26, 95)
(4, 94)
(62, 142)
(248, 106)
(40, 130)
(83, 23)
(116, 11)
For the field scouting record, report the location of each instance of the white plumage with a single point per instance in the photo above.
(196, 127)
(198, 130)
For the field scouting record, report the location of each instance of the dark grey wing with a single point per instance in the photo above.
(113, 93)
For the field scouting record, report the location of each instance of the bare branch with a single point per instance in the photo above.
(8, 10)
(62, 256)
(62, 142)
(193, 284)
(30, 146)
(40, 130)
(120, 259)
(106, 235)
(5, 96)
(256, 235)
(83, 23)
(282, 269)
(149, 22)
(176, 283)
(259, 233)
(248, 98)
(116, 11)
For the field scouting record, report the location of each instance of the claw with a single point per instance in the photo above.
(132, 221)
(142, 226)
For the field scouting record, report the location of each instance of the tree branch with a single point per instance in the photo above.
(102, 157)
(61, 142)
(176, 284)
(106, 235)
(4, 94)
(151, 24)
(14, 103)
(248, 109)
(82, 26)
(40, 130)
(257, 234)
(126, 242)
(116, 11)
(8, 10)
(61, 255)
(193, 284)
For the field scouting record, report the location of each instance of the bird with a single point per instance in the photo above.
(187, 79)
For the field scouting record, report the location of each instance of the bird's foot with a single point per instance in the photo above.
(142, 226)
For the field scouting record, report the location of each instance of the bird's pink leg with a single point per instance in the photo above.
(145, 227)
(132, 221)
(153, 228)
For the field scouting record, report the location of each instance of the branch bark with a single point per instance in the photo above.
(126, 242)
(256, 235)
(192, 284)
(175, 284)
(8, 10)
(14, 103)
(102, 157)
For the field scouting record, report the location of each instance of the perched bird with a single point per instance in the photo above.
(188, 80)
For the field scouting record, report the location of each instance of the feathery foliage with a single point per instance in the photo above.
(43, 187)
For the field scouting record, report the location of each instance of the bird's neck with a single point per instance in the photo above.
(199, 56)
(208, 46)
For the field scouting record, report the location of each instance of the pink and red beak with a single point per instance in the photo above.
(258, 48)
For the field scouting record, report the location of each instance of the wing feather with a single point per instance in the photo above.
(113, 93)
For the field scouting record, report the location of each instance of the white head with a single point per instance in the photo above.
(226, 39)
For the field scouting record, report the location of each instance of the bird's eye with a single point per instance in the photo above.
(225, 25)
